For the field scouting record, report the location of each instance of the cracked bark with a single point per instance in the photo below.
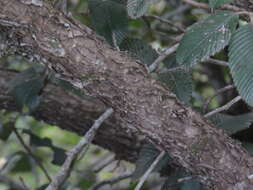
(142, 105)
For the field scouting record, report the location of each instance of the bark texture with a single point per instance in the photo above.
(78, 118)
(141, 104)
(245, 4)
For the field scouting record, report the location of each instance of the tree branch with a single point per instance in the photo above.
(65, 169)
(149, 170)
(141, 104)
(125, 145)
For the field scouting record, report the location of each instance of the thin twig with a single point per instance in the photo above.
(111, 181)
(167, 52)
(29, 151)
(150, 169)
(65, 170)
(225, 107)
(166, 21)
(170, 14)
(11, 183)
(105, 162)
(23, 183)
(218, 62)
(226, 88)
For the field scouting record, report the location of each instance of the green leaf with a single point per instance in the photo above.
(137, 8)
(140, 50)
(233, 124)
(26, 88)
(206, 38)
(147, 156)
(248, 147)
(21, 163)
(109, 19)
(5, 131)
(59, 155)
(241, 61)
(218, 3)
(192, 184)
(180, 82)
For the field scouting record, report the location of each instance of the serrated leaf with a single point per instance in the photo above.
(140, 50)
(233, 124)
(180, 82)
(218, 3)
(109, 19)
(137, 8)
(26, 88)
(206, 38)
(147, 156)
(241, 61)
(59, 155)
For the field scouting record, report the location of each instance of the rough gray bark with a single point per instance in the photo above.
(142, 105)
(245, 4)
(78, 118)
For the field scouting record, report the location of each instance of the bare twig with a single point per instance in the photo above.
(105, 162)
(225, 107)
(23, 183)
(170, 14)
(65, 170)
(166, 21)
(150, 169)
(226, 88)
(11, 183)
(167, 52)
(218, 62)
(29, 151)
(111, 181)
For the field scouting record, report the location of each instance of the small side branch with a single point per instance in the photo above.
(218, 62)
(166, 21)
(167, 52)
(222, 90)
(29, 151)
(111, 181)
(65, 170)
(150, 169)
(225, 107)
